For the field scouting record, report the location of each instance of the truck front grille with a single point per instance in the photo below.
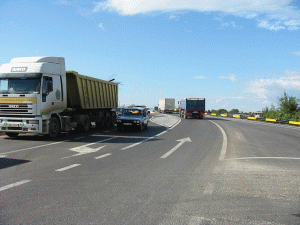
(16, 109)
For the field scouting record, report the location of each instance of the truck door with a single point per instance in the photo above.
(52, 98)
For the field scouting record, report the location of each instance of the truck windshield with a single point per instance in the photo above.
(20, 86)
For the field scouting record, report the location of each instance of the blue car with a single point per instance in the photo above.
(133, 117)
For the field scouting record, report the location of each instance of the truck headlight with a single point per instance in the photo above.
(136, 121)
(118, 121)
(32, 122)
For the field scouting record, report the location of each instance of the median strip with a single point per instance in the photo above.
(294, 122)
(271, 120)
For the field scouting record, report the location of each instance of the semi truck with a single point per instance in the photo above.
(166, 105)
(37, 95)
(192, 107)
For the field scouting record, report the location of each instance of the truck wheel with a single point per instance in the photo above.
(113, 118)
(86, 123)
(146, 126)
(101, 122)
(54, 128)
(9, 134)
(107, 119)
(185, 117)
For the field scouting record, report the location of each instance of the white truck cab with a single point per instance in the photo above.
(32, 89)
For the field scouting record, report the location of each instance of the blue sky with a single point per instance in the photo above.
(236, 54)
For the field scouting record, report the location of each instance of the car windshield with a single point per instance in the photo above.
(132, 112)
(20, 86)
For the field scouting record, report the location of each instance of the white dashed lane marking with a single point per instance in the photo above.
(102, 156)
(14, 185)
(67, 167)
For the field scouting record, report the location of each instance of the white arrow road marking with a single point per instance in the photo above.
(84, 149)
(176, 147)
(14, 185)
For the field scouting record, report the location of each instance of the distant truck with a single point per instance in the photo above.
(192, 107)
(38, 96)
(166, 105)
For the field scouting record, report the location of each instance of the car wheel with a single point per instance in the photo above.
(141, 127)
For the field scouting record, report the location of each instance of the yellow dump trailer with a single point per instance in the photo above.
(90, 93)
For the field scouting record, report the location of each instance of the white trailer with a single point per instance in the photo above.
(166, 105)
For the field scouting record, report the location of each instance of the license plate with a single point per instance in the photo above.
(195, 112)
(12, 125)
(127, 123)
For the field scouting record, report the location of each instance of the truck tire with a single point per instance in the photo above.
(146, 126)
(101, 122)
(185, 117)
(10, 134)
(54, 128)
(86, 123)
(107, 119)
(113, 118)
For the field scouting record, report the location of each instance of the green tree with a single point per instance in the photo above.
(288, 104)
(234, 111)
(222, 111)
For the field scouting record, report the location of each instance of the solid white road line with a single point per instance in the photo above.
(67, 167)
(83, 146)
(224, 147)
(40, 146)
(135, 144)
(246, 158)
(102, 156)
(3, 156)
(14, 185)
(118, 136)
(162, 133)
(209, 189)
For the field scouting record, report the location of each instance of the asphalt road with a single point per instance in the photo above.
(210, 171)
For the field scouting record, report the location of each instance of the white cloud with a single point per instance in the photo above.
(297, 53)
(200, 77)
(271, 26)
(231, 77)
(281, 12)
(262, 88)
(174, 17)
(101, 26)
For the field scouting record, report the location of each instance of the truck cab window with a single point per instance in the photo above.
(47, 85)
